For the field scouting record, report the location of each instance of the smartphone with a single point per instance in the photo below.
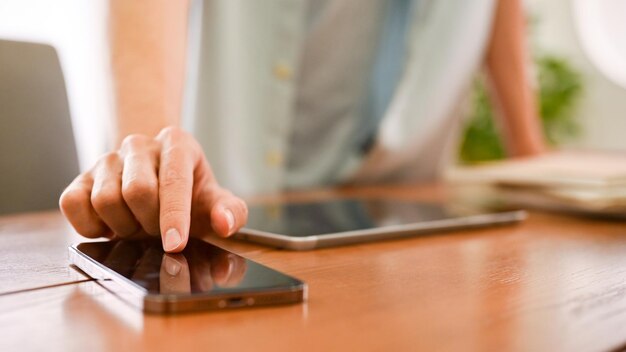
(304, 226)
(202, 277)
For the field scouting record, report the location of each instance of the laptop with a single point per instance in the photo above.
(37, 149)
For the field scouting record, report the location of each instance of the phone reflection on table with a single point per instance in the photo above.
(200, 268)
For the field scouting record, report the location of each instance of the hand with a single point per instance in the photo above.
(151, 186)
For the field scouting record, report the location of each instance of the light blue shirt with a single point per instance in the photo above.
(263, 84)
(349, 71)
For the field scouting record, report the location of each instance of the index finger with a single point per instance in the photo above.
(176, 171)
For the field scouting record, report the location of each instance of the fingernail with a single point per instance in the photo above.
(172, 239)
(230, 219)
(172, 266)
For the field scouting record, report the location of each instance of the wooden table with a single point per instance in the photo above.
(551, 283)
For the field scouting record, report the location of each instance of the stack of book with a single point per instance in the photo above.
(582, 182)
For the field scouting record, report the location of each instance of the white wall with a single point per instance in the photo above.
(602, 111)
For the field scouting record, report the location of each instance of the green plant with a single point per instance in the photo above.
(560, 87)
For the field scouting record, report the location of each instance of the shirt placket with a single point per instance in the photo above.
(287, 40)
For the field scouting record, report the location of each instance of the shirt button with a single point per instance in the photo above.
(274, 158)
(282, 71)
(274, 212)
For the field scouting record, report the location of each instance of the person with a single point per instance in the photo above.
(292, 94)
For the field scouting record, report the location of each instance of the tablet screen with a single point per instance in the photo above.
(319, 218)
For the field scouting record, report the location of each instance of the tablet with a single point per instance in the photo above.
(304, 226)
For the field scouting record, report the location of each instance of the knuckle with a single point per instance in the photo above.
(139, 191)
(108, 159)
(105, 198)
(134, 141)
(172, 133)
(172, 178)
(71, 198)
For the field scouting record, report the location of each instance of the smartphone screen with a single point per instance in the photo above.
(201, 269)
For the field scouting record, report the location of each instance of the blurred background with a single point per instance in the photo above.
(579, 53)
(579, 56)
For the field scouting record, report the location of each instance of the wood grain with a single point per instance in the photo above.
(552, 283)
(33, 251)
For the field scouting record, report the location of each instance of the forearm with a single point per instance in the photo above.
(148, 48)
(510, 85)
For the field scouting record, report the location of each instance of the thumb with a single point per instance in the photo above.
(228, 213)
